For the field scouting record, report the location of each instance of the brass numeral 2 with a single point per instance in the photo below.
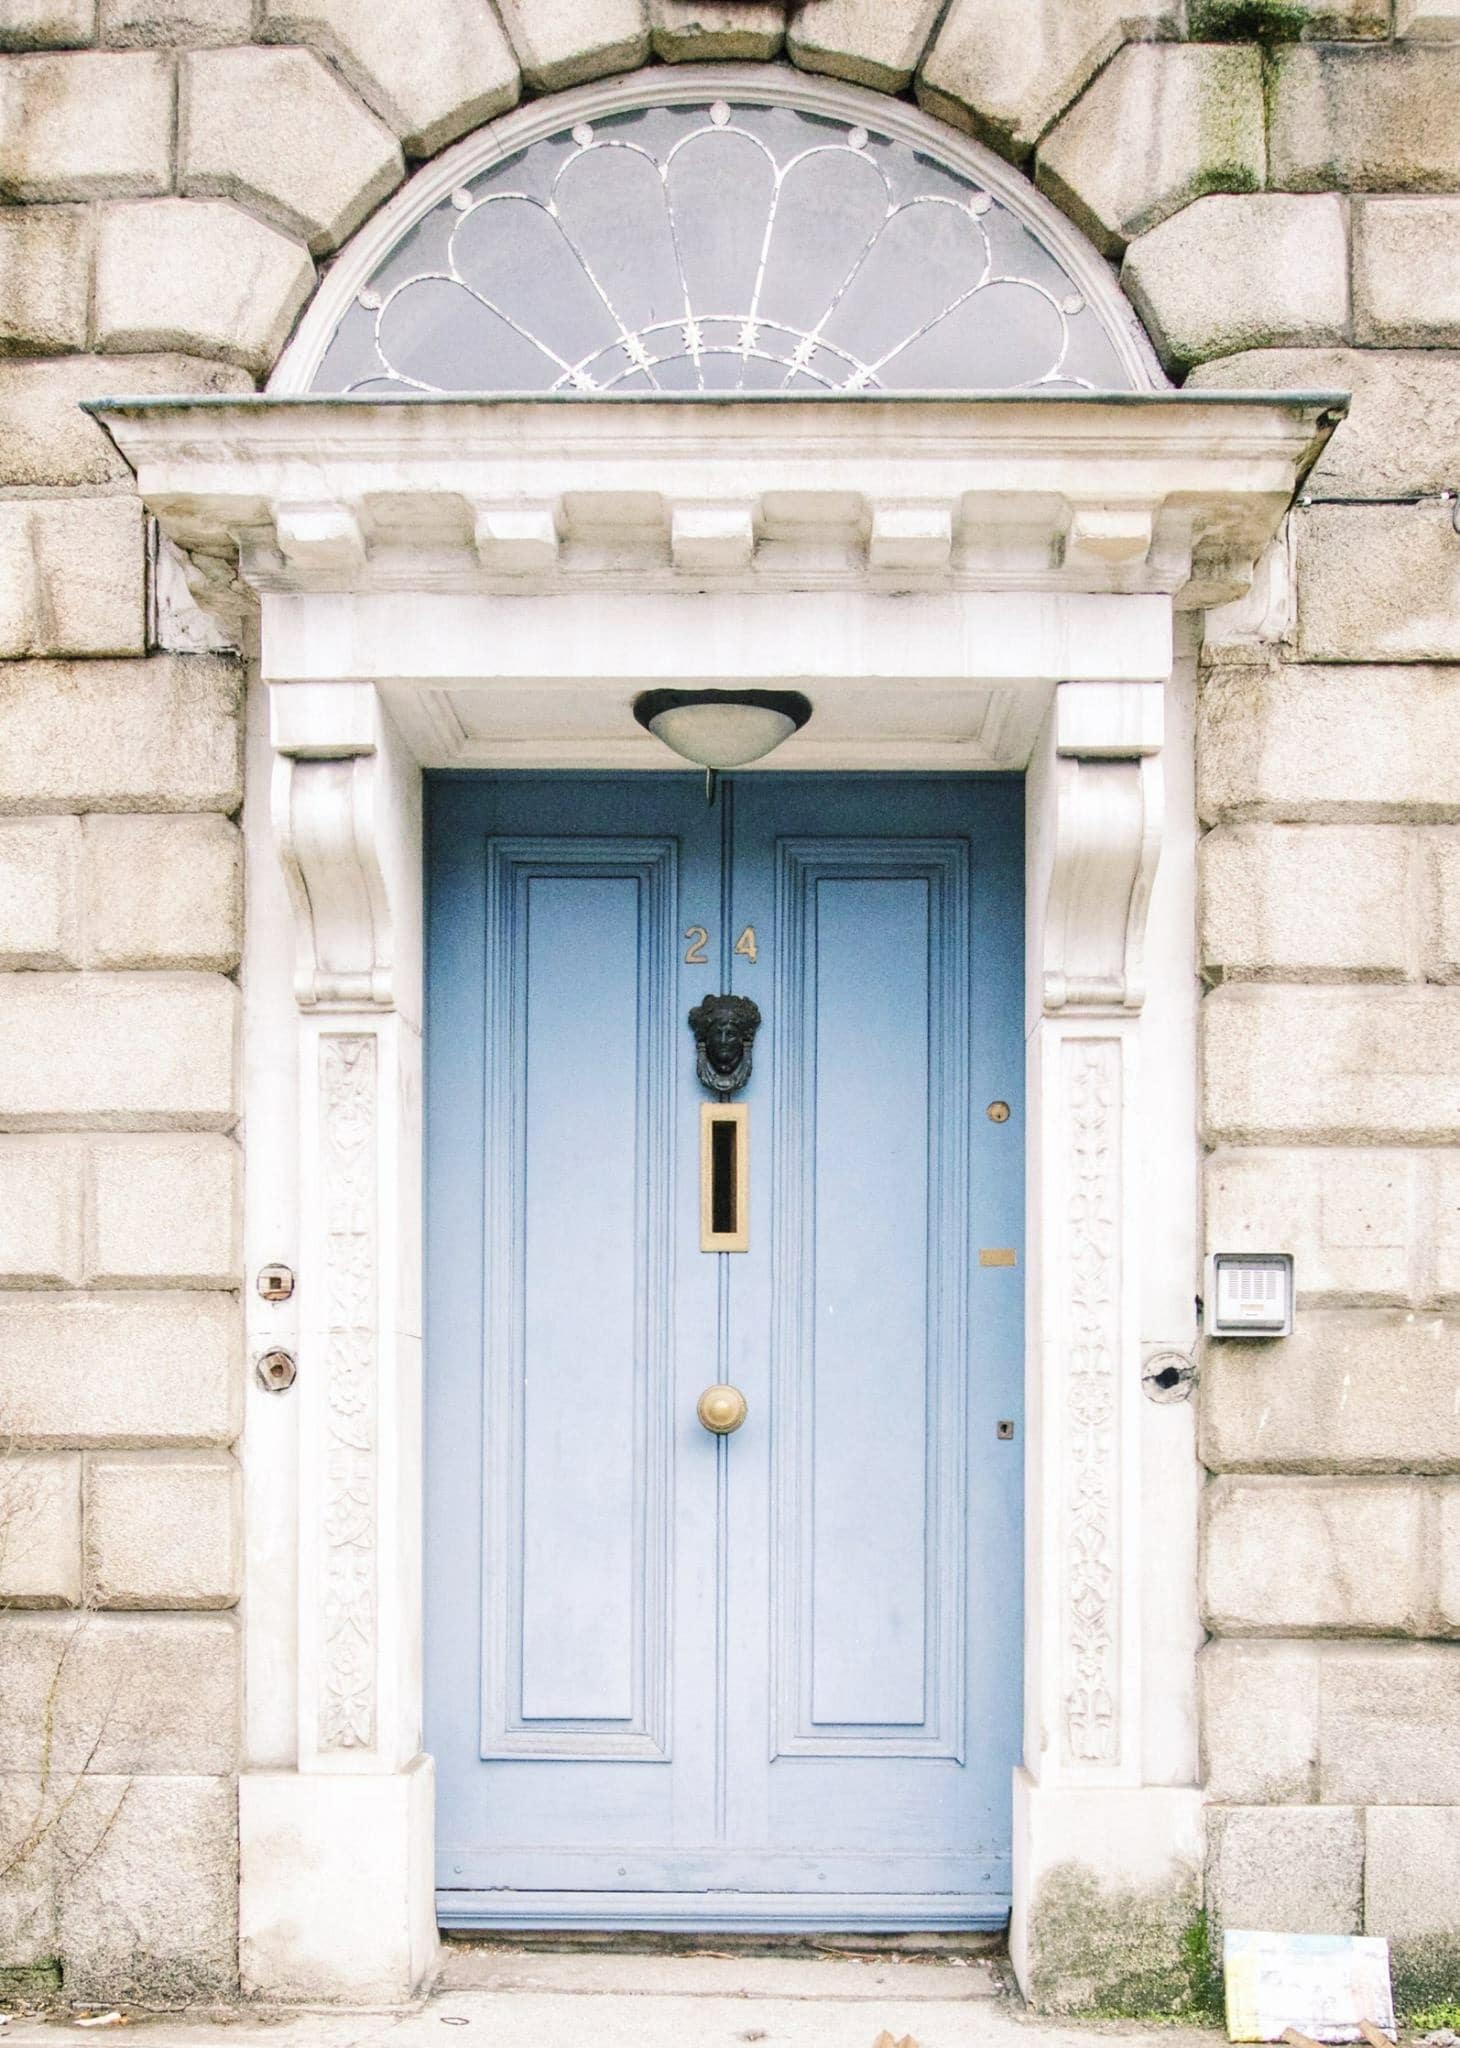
(696, 956)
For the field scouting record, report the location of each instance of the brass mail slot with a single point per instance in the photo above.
(724, 1177)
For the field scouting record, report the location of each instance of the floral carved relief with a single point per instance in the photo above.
(1090, 1630)
(347, 1079)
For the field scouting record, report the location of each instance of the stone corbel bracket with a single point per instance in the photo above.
(327, 793)
(1108, 810)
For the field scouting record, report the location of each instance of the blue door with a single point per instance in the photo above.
(675, 1678)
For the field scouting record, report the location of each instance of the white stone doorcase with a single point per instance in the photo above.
(980, 583)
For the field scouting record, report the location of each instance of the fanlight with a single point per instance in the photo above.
(718, 248)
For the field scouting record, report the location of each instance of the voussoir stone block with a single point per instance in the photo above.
(725, 30)
(1403, 430)
(164, 1211)
(46, 24)
(117, 1052)
(1289, 1869)
(559, 42)
(1287, 1556)
(45, 437)
(1347, 1213)
(1161, 125)
(1407, 272)
(198, 275)
(862, 40)
(1006, 69)
(1307, 902)
(72, 577)
(136, 24)
(1378, 582)
(38, 862)
(162, 892)
(1353, 1390)
(1329, 744)
(162, 1529)
(40, 1530)
(158, 735)
(1389, 1724)
(281, 133)
(126, 1693)
(45, 279)
(1351, 120)
(129, 1370)
(92, 124)
(168, 1848)
(453, 71)
(1230, 272)
(40, 1213)
(1331, 1066)
(1259, 1721)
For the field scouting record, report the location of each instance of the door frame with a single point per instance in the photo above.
(1082, 667)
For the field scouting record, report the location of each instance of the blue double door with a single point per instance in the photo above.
(768, 1679)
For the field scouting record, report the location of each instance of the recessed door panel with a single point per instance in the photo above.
(683, 1674)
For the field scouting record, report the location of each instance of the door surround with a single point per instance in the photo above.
(955, 582)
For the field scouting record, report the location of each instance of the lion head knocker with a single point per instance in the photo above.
(724, 1029)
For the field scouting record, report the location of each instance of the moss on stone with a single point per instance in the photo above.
(1243, 21)
(1121, 1951)
(1425, 1970)
(29, 1983)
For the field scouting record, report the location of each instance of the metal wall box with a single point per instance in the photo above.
(1249, 1294)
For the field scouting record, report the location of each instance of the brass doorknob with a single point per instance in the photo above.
(721, 1410)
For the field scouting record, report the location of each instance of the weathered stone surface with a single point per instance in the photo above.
(1407, 272)
(1259, 1722)
(125, 1692)
(118, 1369)
(72, 577)
(45, 437)
(198, 275)
(1445, 1537)
(1378, 583)
(279, 131)
(1161, 125)
(1403, 429)
(28, 1938)
(559, 43)
(164, 1211)
(92, 125)
(162, 1529)
(137, 23)
(1288, 1869)
(1308, 902)
(46, 24)
(1289, 20)
(1006, 69)
(1287, 1557)
(38, 858)
(1353, 1390)
(45, 279)
(168, 1848)
(1442, 1232)
(1347, 1214)
(452, 72)
(162, 892)
(1431, 21)
(40, 1532)
(862, 40)
(1440, 940)
(40, 1213)
(1389, 1724)
(1411, 1882)
(1329, 744)
(1331, 1066)
(117, 1052)
(121, 735)
(1263, 270)
(743, 30)
(1346, 120)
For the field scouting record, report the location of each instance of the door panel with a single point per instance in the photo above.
(772, 1679)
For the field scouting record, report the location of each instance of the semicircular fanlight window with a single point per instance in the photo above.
(719, 248)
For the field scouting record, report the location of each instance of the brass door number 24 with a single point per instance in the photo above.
(696, 956)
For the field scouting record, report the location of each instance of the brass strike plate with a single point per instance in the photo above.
(998, 1255)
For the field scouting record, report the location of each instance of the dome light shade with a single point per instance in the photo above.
(722, 728)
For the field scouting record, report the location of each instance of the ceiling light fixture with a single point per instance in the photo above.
(722, 728)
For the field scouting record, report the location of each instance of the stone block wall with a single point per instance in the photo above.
(1278, 182)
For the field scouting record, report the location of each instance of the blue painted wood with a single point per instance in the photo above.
(770, 1680)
